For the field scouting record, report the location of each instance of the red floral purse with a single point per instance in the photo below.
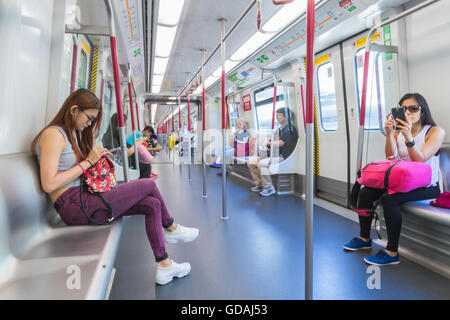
(99, 178)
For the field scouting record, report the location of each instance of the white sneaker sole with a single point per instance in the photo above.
(170, 278)
(381, 265)
(356, 249)
(170, 240)
(267, 194)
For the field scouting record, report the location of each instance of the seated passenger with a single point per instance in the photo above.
(64, 150)
(418, 139)
(287, 137)
(145, 168)
(240, 142)
(153, 145)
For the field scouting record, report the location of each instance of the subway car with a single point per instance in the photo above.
(224, 150)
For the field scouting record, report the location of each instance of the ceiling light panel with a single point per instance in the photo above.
(251, 45)
(170, 11)
(164, 40)
(156, 89)
(285, 16)
(160, 65)
(157, 79)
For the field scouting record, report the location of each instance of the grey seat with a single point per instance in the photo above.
(37, 251)
(425, 236)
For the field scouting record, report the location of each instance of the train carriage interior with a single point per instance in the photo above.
(261, 132)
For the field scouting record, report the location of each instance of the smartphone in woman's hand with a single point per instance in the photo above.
(398, 113)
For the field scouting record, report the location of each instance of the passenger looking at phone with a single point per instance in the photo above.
(416, 137)
(286, 139)
(153, 145)
(65, 149)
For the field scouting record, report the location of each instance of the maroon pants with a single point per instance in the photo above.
(132, 198)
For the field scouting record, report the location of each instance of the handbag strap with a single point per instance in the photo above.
(388, 172)
(108, 207)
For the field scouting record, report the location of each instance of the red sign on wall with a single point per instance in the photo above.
(247, 102)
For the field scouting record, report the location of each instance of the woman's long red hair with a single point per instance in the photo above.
(84, 99)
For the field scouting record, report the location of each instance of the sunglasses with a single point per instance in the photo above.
(413, 109)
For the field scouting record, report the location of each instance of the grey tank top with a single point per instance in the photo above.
(67, 159)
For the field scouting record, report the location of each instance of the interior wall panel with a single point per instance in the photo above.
(26, 34)
(429, 59)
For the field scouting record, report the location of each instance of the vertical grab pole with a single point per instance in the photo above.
(171, 138)
(224, 125)
(179, 129)
(189, 135)
(203, 124)
(274, 100)
(74, 64)
(362, 114)
(137, 116)
(115, 63)
(309, 150)
(133, 126)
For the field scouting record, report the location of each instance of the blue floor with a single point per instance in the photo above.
(258, 253)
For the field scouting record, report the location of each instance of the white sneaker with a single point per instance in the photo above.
(165, 275)
(257, 188)
(268, 192)
(184, 234)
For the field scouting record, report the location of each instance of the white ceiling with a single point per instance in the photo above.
(199, 28)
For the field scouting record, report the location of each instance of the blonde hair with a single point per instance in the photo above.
(244, 123)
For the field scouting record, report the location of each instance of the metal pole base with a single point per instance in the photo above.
(204, 196)
(224, 218)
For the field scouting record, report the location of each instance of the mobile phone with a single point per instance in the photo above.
(114, 150)
(398, 113)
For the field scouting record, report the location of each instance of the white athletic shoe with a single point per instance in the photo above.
(268, 192)
(257, 188)
(182, 233)
(165, 275)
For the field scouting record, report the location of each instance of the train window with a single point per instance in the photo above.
(327, 97)
(82, 70)
(233, 115)
(264, 107)
(372, 117)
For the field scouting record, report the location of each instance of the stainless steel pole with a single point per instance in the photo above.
(189, 137)
(224, 127)
(115, 63)
(309, 151)
(203, 124)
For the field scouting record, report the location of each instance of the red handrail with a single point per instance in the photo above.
(189, 112)
(274, 104)
(278, 2)
(130, 93)
(137, 115)
(117, 81)
(303, 106)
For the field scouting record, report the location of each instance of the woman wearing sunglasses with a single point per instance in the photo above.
(416, 139)
(65, 149)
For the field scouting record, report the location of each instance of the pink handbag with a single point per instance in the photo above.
(442, 201)
(144, 155)
(396, 175)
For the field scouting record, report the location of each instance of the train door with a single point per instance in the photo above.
(382, 93)
(332, 167)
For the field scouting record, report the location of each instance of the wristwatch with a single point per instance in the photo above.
(410, 144)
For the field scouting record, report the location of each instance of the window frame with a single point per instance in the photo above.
(358, 98)
(280, 97)
(318, 96)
